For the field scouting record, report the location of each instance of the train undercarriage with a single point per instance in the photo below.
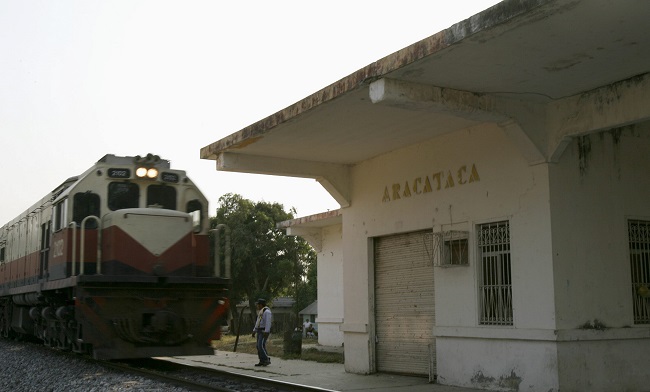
(127, 319)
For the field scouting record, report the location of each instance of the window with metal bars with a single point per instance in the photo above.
(495, 278)
(639, 243)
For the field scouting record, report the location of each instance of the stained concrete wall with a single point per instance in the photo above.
(600, 182)
(570, 263)
(476, 175)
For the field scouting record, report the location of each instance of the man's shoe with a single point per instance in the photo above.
(260, 364)
(266, 363)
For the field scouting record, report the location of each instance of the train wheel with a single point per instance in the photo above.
(77, 344)
(5, 316)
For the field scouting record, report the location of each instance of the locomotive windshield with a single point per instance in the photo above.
(161, 196)
(85, 204)
(123, 195)
(194, 209)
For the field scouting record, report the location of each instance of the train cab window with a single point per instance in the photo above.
(83, 205)
(2, 254)
(161, 196)
(60, 215)
(194, 208)
(123, 195)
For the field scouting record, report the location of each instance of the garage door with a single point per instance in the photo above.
(404, 308)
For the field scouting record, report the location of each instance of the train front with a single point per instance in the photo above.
(137, 247)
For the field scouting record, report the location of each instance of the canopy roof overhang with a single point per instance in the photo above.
(529, 66)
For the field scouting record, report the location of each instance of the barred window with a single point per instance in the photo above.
(639, 242)
(495, 280)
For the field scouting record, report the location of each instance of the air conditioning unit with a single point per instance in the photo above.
(450, 248)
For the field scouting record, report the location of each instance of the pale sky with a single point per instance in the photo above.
(84, 78)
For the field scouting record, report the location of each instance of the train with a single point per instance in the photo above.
(115, 263)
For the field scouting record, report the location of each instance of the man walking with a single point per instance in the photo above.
(263, 330)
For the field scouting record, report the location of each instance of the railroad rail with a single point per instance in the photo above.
(205, 379)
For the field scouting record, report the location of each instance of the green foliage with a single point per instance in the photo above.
(306, 289)
(266, 262)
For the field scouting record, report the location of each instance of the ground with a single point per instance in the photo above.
(311, 351)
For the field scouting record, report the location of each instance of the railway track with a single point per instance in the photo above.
(205, 379)
(29, 367)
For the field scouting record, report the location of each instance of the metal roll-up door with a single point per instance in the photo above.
(405, 306)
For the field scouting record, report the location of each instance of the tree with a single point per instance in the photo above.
(266, 262)
(307, 288)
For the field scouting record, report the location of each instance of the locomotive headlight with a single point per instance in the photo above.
(141, 171)
(146, 172)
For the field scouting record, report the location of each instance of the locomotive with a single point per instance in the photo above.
(115, 263)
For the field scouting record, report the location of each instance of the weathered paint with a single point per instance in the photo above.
(585, 109)
(490, 18)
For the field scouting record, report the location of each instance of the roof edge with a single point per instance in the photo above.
(489, 18)
(315, 218)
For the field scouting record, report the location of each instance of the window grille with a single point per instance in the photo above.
(639, 242)
(495, 280)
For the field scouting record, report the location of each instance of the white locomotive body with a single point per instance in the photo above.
(114, 262)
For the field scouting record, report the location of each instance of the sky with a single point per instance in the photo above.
(80, 79)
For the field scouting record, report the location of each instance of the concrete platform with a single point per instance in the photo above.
(327, 376)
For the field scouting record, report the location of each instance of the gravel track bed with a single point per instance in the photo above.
(30, 367)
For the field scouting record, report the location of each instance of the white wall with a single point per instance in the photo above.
(515, 365)
(605, 362)
(570, 262)
(591, 258)
(330, 287)
(590, 212)
(506, 188)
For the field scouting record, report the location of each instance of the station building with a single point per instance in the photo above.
(494, 229)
